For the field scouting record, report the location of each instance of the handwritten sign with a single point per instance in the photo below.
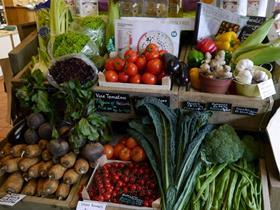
(266, 88)
(112, 102)
(131, 200)
(90, 205)
(11, 199)
(219, 107)
(195, 106)
(245, 111)
(163, 99)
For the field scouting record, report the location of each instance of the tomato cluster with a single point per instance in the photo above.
(117, 178)
(146, 68)
(126, 149)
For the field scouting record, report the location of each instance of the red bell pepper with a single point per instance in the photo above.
(206, 45)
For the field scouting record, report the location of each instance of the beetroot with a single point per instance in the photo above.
(45, 131)
(35, 120)
(31, 136)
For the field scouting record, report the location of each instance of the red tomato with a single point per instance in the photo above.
(131, 143)
(148, 78)
(130, 55)
(118, 64)
(125, 154)
(151, 55)
(109, 65)
(108, 150)
(130, 69)
(111, 76)
(141, 63)
(138, 154)
(162, 52)
(152, 47)
(117, 149)
(135, 79)
(154, 66)
(123, 77)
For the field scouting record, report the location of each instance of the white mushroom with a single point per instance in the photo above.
(245, 77)
(244, 64)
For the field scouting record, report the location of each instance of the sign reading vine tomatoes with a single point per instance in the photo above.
(145, 68)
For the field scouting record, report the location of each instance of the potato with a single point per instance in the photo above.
(68, 160)
(44, 168)
(32, 151)
(50, 186)
(62, 191)
(30, 188)
(71, 177)
(17, 150)
(26, 163)
(56, 172)
(14, 183)
(81, 166)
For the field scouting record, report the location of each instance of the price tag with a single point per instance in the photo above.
(11, 199)
(245, 111)
(219, 107)
(266, 88)
(195, 106)
(89, 205)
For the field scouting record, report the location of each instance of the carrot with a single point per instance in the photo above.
(62, 191)
(10, 165)
(14, 183)
(30, 188)
(44, 168)
(68, 160)
(26, 163)
(33, 171)
(43, 144)
(70, 177)
(46, 155)
(56, 172)
(50, 186)
(39, 188)
(6, 149)
(81, 166)
(17, 150)
(32, 151)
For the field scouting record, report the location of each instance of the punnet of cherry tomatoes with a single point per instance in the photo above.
(126, 149)
(117, 181)
(148, 67)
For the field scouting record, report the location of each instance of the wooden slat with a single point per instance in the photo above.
(265, 190)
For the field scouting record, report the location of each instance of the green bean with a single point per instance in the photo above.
(211, 196)
(237, 196)
(232, 187)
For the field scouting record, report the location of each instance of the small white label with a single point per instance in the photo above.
(266, 88)
(11, 199)
(90, 205)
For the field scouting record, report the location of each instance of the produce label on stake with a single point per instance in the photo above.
(219, 107)
(193, 105)
(90, 205)
(245, 111)
(11, 199)
(130, 200)
(266, 88)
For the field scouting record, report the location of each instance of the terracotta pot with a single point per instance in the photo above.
(212, 85)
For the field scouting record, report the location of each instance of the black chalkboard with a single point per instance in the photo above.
(192, 105)
(112, 102)
(164, 99)
(131, 200)
(219, 107)
(245, 111)
(252, 24)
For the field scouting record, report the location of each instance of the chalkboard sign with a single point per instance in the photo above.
(164, 99)
(131, 200)
(192, 105)
(252, 24)
(245, 111)
(112, 102)
(219, 107)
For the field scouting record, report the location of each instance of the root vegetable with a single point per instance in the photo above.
(26, 177)
(2, 161)
(34, 120)
(44, 168)
(68, 160)
(39, 188)
(81, 166)
(58, 147)
(62, 191)
(6, 149)
(43, 144)
(33, 171)
(32, 151)
(46, 155)
(30, 188)
(45, 131)
(56, 172)
(26, 163)
(14, 183)
(17, 150)
(70, 177)
(50, 186)
(31, 136)
(92, 151)
(10, 165)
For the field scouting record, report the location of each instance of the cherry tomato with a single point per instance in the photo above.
(135, 79)
(151, 55)
(138, 154)
(117, 149)
(125, 154)
(162, 52)
(130, 55)
(130, 69)
(123, 77)
(148, 78)
(152, 48)
(111, 76)
(108, 150)
(141, 63)
(118, 64)
(131, 143)
(154, 66)
(109, 65)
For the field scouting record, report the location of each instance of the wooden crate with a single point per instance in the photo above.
(244, 113)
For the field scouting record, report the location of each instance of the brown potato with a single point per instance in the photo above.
(56, 172)
(30, 188)
(26, 163)
(81, 166)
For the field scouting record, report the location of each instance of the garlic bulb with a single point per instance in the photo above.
(244, 64)
(244, 77)
(259, 76)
